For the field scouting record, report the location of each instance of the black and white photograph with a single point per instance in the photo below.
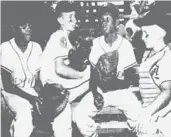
(82, 68)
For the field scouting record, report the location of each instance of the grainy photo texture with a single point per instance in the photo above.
(85, 68)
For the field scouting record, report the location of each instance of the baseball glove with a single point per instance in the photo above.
(54, 100)
(106, 70)
(78, 56)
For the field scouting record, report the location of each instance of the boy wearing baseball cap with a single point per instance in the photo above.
(155, 76)
(119, 97)
(55, 65)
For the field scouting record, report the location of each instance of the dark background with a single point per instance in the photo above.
(42, 16)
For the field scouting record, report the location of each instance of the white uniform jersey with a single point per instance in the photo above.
(154, 70)
(124, 47)
(58, 46)
(22, 66)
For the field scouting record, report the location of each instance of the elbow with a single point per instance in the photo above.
(59, 67)
(167, 94)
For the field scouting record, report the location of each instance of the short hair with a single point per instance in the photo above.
(110, 8)
(64, 6)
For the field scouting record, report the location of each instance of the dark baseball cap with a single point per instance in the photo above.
(109, 8)
(155, 17)
(64, 6)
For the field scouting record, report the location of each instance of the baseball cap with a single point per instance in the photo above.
(110, 8)
(64, 6)
(156, 17)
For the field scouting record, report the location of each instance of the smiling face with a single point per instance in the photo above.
(107, 24)
(68, 20)
(151, 35)
(24, 32)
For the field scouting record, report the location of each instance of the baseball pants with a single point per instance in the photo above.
(62, 125)
(124, 100)
(22, 125)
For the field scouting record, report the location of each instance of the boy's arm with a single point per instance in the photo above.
(13, 89)
(66, 71)
(98, 98)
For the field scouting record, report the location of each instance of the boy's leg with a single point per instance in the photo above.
(124, 100)
(77, 92)
(83, 114)
(22, 125)
(62, 123)
(127, 102)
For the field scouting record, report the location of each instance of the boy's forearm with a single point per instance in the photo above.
(160, 102)
(93, 81)
(68, 72)
(11, 88)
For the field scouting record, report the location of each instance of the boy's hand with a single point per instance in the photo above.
(98, 101)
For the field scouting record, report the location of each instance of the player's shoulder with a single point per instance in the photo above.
(57, 38)
(36, 46)
(97, 39)
(167, 55)
(124, 40)
(6, 46)
(57, 35)
(125, 44)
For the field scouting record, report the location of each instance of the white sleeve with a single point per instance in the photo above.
(38, 51)
(165, 69)
(5, 59)
(95, 52)
(52, 51)
(127, 55)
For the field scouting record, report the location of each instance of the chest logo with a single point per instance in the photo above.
(63, 42)
(154, 72)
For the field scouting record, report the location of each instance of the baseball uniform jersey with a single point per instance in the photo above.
(22, 66)
(125, 50)
(58, 46)
(121, 99)
(154, 70)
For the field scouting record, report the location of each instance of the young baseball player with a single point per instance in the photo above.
(122, 99)
(20, 65)
(155, 78)
(55, 66)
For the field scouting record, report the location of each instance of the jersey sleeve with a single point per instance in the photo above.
(54, 49)
(165, 69)
(5, 60)
(95, 52)
(38, 51)
(127, 56)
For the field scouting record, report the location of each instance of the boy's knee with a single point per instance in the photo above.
(26, 124)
